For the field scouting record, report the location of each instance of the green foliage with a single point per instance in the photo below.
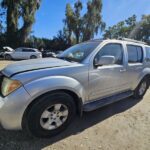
(144, 29)
(58, 42)
(92, 20)
(77, 26)
(28, 9)
(82, 28)
(69, 22)
(17, 9)
(131, 28)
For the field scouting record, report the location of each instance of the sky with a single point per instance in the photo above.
(49, 18)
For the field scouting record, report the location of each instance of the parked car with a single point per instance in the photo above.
(22, 53)
(58, 53)
(47, 53)
(5, 49)
(42, 97)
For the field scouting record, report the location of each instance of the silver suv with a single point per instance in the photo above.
(42, 96)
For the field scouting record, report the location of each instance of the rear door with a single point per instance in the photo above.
(135, 63)
(27, 53)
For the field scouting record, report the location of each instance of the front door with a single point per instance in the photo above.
(106, 80)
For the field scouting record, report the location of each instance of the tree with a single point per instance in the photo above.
(131, 28)
(28, 9)
(2, 13)
(12, 15)
(122, 29)
(15, 9)
(84, 27)
(59, 42)
(144, 29)
(69, 22)
(92, 20)
(77, 26)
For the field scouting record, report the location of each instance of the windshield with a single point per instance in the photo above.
(79, 52)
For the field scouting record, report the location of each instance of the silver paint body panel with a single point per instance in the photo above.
(87, 82)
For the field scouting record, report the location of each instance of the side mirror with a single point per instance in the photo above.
(105, 60)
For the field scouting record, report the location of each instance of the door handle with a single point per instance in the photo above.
(123, 70)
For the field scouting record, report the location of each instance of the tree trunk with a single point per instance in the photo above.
(12, 22)
(24, 32)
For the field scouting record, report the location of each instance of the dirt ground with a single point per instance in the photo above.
(124, 125)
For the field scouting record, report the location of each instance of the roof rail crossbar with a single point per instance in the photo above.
(131, 40)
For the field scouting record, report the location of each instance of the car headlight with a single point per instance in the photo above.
(9, 85)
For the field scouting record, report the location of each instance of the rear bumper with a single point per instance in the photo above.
(12, 109)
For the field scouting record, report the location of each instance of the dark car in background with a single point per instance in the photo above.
(48, 53)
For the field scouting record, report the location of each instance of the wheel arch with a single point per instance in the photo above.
(148, 77)
(76, 98)
(7, 54)
(144, 75)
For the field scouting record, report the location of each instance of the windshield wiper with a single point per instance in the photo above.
(66, 58)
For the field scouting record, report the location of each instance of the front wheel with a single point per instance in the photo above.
(50, 115)
(8, 57)
(141, 89)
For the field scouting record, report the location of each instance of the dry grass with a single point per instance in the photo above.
(4, 63)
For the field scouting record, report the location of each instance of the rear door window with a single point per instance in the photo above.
(28, 50)
(135, 54)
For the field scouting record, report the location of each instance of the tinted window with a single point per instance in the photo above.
(115, 50)
(28, 50)
(148, 54)
(135, 54)
(18, 50)
(140, 53)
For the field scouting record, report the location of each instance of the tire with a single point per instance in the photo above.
(141, 89)
(33, 57)
(8, 57)
(34, 123)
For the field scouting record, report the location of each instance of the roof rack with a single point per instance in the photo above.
(96, 40)
(131, 40)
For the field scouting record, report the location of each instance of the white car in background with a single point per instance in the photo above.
(22, 53)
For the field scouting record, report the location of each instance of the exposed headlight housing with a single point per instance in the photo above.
(9, 85)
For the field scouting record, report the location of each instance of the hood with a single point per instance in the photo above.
(34, 64)
(9, 49)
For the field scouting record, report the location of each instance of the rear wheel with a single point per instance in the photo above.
(33, 57)
(50, 115)
(8, 57)
(141, 89)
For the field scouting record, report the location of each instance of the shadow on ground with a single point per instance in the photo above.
(18, 140)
